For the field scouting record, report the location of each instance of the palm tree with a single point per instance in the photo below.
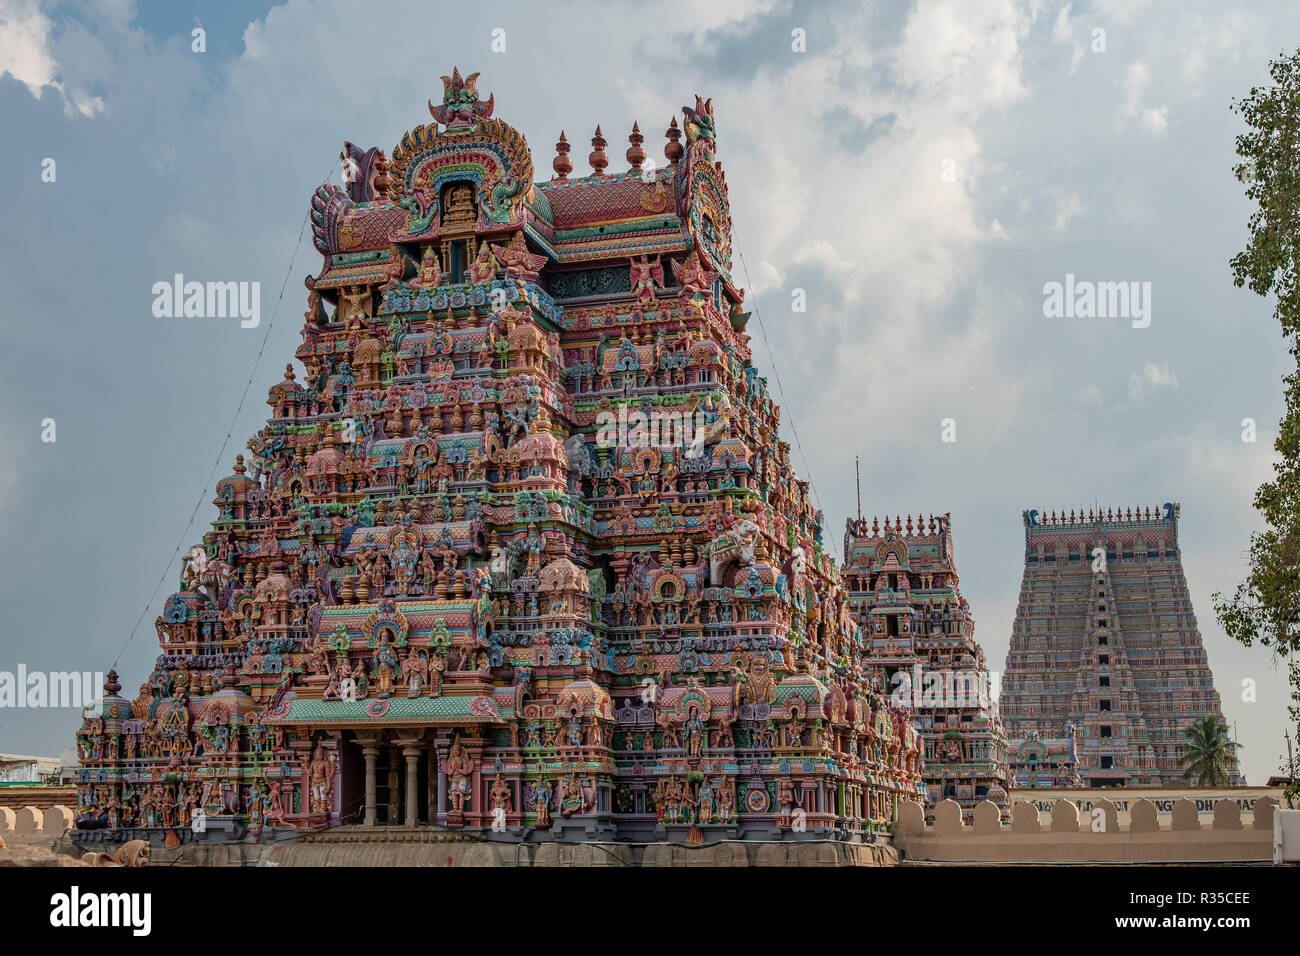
(1209, 754)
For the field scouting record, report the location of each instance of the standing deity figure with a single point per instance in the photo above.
(322, 780)
(647, 276)
(428, 574)
(542, 802)
(458, 767)
(785, 797)
(386, 667)
(726, 800)
(406, 556)
(704, 803)
(500, 795)
(416, 671)
(535, 544)
(694, 729)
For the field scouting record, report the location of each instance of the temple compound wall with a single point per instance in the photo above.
(1063, 835)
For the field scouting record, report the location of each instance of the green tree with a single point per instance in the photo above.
(1210, 755)
(1266, 606)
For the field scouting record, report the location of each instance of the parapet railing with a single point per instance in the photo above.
(1061, 834)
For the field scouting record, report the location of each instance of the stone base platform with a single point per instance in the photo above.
(424, 846)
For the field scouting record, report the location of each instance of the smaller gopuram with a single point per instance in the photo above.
(920, 651)
(1039, 762)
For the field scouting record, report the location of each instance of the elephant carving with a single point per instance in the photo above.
(735, 544)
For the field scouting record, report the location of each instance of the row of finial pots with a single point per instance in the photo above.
(636, 154)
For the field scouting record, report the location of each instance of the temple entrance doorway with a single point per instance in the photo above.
(385, 780)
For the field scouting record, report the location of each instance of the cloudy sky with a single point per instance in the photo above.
(921, 170)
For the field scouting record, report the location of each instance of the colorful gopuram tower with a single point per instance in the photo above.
(521, 554)
(920, 650)
(1106, 666)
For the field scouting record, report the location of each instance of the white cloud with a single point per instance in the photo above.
(1063, 33)
(1152, 378)
(1089, 395)
(1154, 120)
(25, 55)
(1062, 28)
(1067, 207)
(25, 45)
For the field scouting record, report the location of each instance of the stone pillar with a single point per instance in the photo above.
(440, 755)
(412, 755)
(394, 794)
(372, 756)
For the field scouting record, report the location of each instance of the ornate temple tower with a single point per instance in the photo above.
(1106, 667)
(522, 553)
(919, 642)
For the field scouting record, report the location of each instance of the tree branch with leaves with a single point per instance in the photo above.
(1266, 606)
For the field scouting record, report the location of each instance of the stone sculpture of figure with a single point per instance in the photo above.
(134, 853)
(428, 573)
(735, 544)
(405, 562)
(437, 664)
(386, 667)
(571, 801)
(430, 274)
(457, 766)
(446, 552)
(785, 796)
(275, 812)
(694, 729)
(484, 266)
(535, 545)
(416, 671)
(334, 689)
(726, 800)
(202, 574)
(322, 780)
(500, 795)
(646, 278)
(354, 305)
(704, 803)
(542, 802)
(517, 260)
(691, 275)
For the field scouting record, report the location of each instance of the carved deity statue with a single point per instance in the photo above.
(647, 276)
(430, 274)
(484, 266)
(322, 780)
(458, 765)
